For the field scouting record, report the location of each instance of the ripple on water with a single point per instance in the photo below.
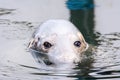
(107, 58)
(101, 63)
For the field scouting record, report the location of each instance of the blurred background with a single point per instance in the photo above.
(98, 20)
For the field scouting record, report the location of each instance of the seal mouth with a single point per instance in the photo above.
(40, 57)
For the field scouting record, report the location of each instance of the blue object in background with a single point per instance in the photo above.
(79, 4)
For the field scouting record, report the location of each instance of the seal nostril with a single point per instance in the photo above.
(48, 63)
(47, 45)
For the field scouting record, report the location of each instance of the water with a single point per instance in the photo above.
(18, 22)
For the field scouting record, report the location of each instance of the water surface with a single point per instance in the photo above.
(18, 22)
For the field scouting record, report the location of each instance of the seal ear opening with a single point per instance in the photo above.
(84, 43)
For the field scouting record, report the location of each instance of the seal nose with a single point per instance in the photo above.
(64, 51)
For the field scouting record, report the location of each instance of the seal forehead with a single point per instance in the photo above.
(58, 27)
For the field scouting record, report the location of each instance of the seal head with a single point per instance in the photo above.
(59, 41)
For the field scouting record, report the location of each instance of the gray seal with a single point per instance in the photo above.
(58, 41)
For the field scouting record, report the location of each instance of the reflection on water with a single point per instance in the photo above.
(16, 63)
(83, 17)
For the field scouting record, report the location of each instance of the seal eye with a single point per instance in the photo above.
(47, 45)
(77, 43)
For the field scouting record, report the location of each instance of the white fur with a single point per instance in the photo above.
(62, 34)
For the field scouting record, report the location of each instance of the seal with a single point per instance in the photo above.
(57, 41)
